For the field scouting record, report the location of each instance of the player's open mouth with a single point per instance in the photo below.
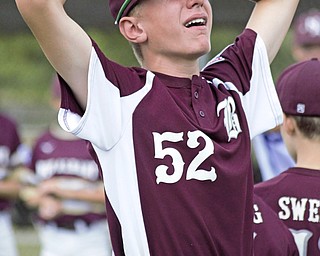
(196, 22)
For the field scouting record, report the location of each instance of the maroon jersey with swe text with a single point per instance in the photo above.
(70, 160)
(9, 142)
(175, 152)
(271, 236)
(295, 197)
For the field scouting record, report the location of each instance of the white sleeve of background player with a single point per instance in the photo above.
(101, 123)
(261, 103)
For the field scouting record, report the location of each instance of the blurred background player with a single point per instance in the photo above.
(270, 152)
(294, 194)
(306, 42)
(68, 194)
(10, 159)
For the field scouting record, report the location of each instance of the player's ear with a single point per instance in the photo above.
(289, 125)
(132, 30)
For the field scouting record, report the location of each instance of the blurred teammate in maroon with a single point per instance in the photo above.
(67, 193)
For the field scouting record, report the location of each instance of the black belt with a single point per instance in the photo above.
(70, 225)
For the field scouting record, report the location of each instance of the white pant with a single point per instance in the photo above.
(7, 236)
(83, 241)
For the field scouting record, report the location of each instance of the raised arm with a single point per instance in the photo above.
(271, 19)
(64, 43)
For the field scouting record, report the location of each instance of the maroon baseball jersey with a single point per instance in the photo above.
(9, 142)
(271, 236)
(175, 152)
(295, 197)
(70, 160)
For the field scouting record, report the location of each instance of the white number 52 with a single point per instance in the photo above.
(177, 161)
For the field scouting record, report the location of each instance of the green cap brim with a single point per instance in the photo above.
(121, 11)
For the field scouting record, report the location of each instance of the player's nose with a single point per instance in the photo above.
(195, 3)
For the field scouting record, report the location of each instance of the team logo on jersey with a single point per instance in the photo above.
(214, 61)
(231, 120)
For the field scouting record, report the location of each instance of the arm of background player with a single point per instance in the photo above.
(76, 196)
(64, 43)
(9, 188)
(84, 191)
(57, 196)
(271, 19)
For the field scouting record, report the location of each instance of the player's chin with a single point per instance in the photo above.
(202, 49)
(207, 49)
(204, 44)
(196, 49)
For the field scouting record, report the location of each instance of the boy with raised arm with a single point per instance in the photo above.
(173, 142)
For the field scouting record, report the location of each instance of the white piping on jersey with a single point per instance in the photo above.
(216, 59)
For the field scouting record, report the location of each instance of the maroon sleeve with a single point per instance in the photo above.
(234, 63)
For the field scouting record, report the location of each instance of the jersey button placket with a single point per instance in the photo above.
(196, 96)
(198, 84)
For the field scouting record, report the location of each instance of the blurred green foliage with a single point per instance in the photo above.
(25, 73)
(23, 70)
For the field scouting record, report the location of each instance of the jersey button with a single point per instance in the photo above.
(196, 94)
(201, 113)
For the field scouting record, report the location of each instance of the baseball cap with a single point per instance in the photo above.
(298, 88)
(307, 28)
(121, 8)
